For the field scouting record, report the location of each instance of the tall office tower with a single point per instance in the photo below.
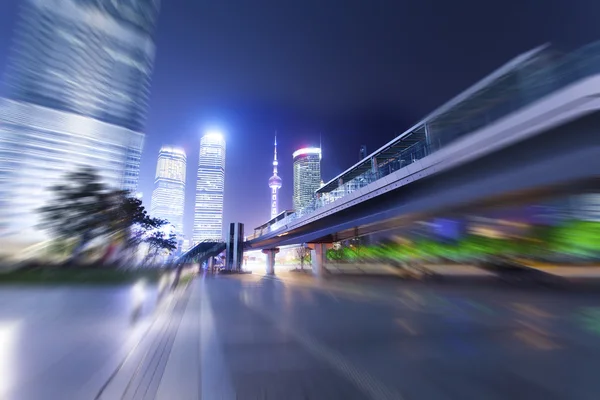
(77, 88)
(275, 185)
(168, 197)
(208, 210)
(307, 176)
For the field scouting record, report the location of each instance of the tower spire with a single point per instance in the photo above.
(274, 183)
(275, 156)
(275, 162)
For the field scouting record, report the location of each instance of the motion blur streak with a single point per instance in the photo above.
(9, 357)
(77, 90)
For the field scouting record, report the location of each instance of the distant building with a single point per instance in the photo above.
(307, 176)
(210, 186)
(362, 153)
(77, 89)
(275, 185)
(168, 197)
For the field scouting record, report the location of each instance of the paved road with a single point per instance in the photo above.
(405, 340)
(253, 337)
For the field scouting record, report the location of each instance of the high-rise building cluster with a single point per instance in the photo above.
(77, 91)
(168, 198)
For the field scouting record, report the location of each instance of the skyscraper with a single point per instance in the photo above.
(208, 210)
(77, 88)
(168, 197)
(275, 185)
(307, 176)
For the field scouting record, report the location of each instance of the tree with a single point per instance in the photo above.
(158, 241)
(303, 254)
(135, 222)
(81, 209)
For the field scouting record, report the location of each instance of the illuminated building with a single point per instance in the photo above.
(307, 176)
(275, 185)
(210, 185)
(168, 197)
(77, 88)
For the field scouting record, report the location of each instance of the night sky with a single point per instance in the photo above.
(353, 71)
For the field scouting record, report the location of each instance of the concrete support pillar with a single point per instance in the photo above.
(318, 257)
(271, 260)
(235, 247)
(211, 264)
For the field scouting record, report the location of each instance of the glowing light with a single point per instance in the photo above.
(307, 150)
(214, 134)
(170, 149)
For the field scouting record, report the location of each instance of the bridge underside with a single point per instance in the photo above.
(202, 251)
(561, 161)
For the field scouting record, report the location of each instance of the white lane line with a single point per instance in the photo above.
(368, 384)
(406, 326)
(333, 296)
(216, 382)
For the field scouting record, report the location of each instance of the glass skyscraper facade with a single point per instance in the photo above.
(77, 89)
(168, 197)
(210, 186)
(307, 176)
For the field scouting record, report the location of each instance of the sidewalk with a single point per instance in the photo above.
(196, 368)
(177, 358)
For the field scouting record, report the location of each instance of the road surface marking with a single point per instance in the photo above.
(406, 326)
(333, 296)
(536, 340)
(416, 298)
(531, 310)
(480, 307)
(409, 304)
(533, 327)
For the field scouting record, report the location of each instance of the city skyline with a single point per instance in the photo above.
(76, 92)
(379, 96)
(210, 186)
(168, 197)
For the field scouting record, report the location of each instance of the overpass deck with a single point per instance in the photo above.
(529, 95)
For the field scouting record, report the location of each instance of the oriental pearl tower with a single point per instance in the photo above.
(275, 185)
